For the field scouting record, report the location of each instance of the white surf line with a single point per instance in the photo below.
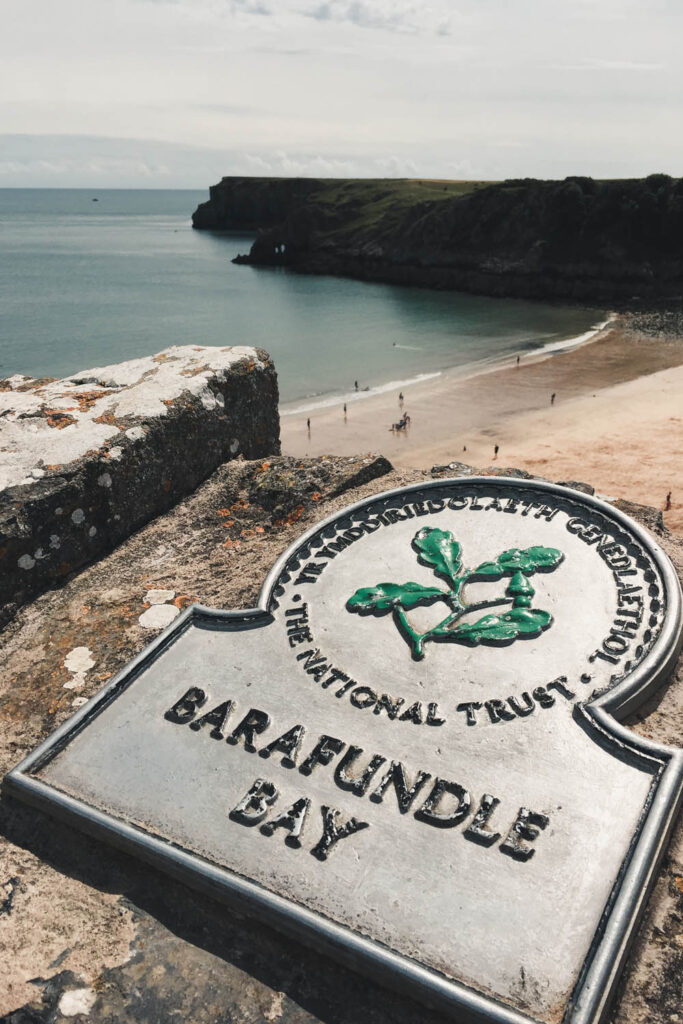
(463, 372)
(580, 339)
(535, 355)
(357, 396)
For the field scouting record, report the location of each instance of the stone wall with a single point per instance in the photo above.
(86, 460)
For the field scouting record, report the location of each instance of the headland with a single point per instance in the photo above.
(579, 239)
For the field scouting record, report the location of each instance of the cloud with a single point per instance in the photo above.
(250, 7)
(81, 161)
(390, 15)
(396, 167)
(296, 166)
(599, 64)
(227, 108)
(246, 6)
(322, 165)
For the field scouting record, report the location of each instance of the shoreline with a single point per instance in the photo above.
(464, 371)
(616, 422)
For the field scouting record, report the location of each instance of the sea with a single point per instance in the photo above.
(90, 277)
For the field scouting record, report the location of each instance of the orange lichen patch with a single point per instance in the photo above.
(231, 544)
(168, 401)
(190, 372)
(164, 358)
(103, 676)
(108, 418)
(259, 529)
(224, 512)
(316, 496)
(228, 523)
(292, 517)
(246, 533)
(56, 418)
(167, 485)
(239, 504)
(33, 383)
(53, 466)
(678, 882)
(86, 399)
(183, 600)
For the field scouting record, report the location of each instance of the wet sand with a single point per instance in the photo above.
(616, 423)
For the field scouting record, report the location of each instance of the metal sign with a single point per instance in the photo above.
(409, 752)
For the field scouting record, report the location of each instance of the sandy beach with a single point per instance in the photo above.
(616, 421)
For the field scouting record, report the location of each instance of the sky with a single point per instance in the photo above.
(179, 93)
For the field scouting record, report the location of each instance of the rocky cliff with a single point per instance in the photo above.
(89, 459)
(599, 241)
(248, 204)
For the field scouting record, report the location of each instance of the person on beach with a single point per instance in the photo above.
(496, 448)
(308, 425)
(345, 410)
(552, 398)
(355, 384)
(667, 506)
(402, 423)
(517, 360)
(400, 398)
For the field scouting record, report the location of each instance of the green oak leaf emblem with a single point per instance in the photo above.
(442, 552)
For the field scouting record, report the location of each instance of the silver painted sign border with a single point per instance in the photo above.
(596, 984)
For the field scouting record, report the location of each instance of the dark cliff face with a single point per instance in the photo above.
(577, 238)
(247, 204)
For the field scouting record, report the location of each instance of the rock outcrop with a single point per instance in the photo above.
(86, 460)
(85, 929)
(608, 242)
(248, 204)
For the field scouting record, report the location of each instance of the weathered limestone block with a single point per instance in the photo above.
(86, 460)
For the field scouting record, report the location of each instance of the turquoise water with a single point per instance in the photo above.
(86, 283)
